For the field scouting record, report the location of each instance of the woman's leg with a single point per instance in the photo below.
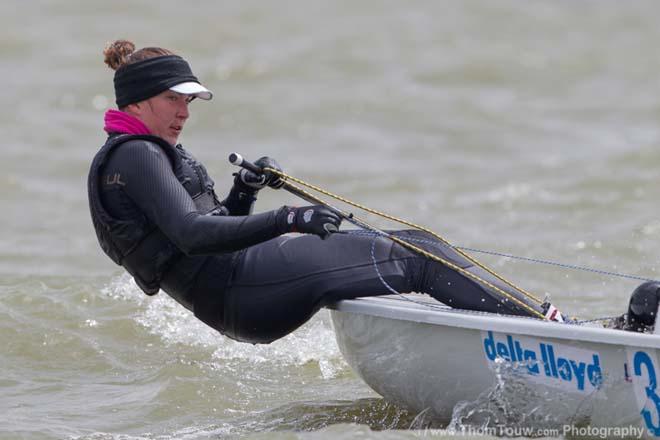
(278, 285)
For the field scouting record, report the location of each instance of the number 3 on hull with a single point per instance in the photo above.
(644, 369)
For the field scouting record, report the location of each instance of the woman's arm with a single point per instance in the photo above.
(150, 183)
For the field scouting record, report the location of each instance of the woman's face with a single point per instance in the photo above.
(164, 114)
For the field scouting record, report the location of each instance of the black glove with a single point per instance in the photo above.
(272, 180)
(316, 219)
(259, 181)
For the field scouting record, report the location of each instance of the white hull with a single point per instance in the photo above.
(438, 360)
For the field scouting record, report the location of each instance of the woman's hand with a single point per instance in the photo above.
(272, 179)
(316, 219)
(260, 181)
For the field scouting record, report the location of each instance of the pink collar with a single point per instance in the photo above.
(119, 122)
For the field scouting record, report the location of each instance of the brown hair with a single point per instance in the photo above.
(122, 52)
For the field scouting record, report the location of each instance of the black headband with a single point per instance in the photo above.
(138, 81)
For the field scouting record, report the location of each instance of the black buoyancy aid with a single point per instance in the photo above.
(138, 244)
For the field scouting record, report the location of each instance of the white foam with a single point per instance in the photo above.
(313, 342)
(123, 287)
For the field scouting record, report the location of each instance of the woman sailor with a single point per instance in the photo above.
(156, 213)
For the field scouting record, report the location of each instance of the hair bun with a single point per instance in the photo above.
(117, 53)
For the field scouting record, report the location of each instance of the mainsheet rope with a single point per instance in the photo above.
(237, 159)
(459, 249)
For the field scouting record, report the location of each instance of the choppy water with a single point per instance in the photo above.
(523, 127)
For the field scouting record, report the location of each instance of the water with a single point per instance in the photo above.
(523, 127)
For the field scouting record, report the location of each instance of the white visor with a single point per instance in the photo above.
(193, 88)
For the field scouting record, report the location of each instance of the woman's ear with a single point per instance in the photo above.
(133, 109)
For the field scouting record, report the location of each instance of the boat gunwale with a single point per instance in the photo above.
(438, 314)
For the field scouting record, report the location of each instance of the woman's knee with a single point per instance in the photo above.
(421, 240)
(417, 235)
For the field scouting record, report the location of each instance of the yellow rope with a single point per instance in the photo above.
(412, 247)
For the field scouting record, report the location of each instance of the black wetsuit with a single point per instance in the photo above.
(241, 276)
